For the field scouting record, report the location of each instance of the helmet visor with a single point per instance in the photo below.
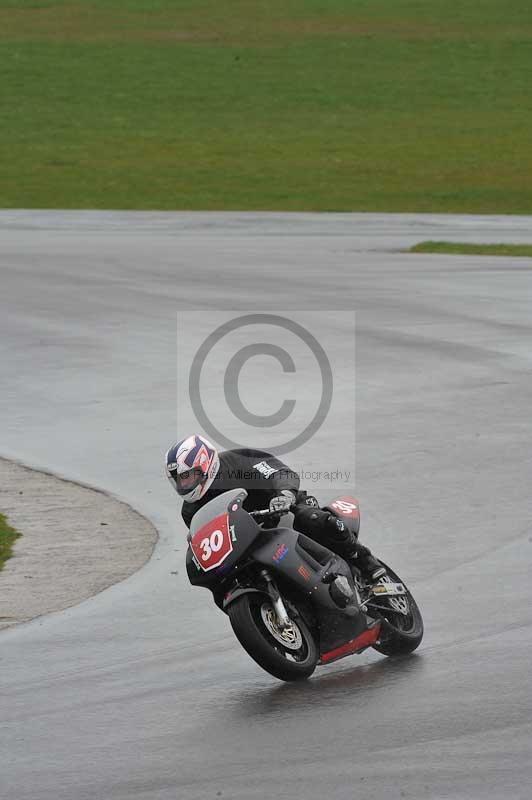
(189, 480)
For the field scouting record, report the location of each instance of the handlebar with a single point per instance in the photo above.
(265, 512)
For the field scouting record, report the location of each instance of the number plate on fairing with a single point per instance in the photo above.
(212, 544)
(345, 507)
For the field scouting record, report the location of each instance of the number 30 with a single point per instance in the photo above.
(345, 506)
(211, 545)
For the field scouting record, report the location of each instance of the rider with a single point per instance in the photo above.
(199, 473)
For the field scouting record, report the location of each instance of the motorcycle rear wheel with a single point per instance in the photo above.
(401, 633)
(289, 655)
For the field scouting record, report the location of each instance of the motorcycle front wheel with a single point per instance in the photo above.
(290, 654)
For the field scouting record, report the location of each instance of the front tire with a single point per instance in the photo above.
(289, 655)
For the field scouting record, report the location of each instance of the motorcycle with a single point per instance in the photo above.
(292, 603)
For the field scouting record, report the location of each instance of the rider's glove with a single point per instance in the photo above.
(283, 502)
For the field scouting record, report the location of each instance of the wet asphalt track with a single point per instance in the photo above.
(142, 692)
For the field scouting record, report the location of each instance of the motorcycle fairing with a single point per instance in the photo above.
(337, 626)
(243, 532)
(365, 639)
(347, 508)
(212, 543)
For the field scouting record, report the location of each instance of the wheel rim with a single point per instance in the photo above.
(401, 615)
(399, 604)
(290, 637)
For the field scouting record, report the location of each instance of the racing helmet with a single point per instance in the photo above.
(191, 466)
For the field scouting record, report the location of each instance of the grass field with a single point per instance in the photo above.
(464, 248)
(377, 105)
(7, 538)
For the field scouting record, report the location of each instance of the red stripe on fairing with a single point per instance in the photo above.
(365, 639)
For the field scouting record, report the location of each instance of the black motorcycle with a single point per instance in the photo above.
(292, 603)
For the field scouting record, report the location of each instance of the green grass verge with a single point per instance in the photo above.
(377, 105)
(456, 248)
(7, 539)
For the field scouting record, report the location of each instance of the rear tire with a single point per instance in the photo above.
(289, 656)
(400, 634)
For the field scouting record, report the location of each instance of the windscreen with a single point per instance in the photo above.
(214, 508)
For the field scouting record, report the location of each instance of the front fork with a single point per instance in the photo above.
(279, 607)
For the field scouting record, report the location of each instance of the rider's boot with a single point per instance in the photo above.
(356, 554)
(332, 532)
(370, 568)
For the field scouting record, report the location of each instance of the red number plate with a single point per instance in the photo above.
(346, 506)
(212, 544)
